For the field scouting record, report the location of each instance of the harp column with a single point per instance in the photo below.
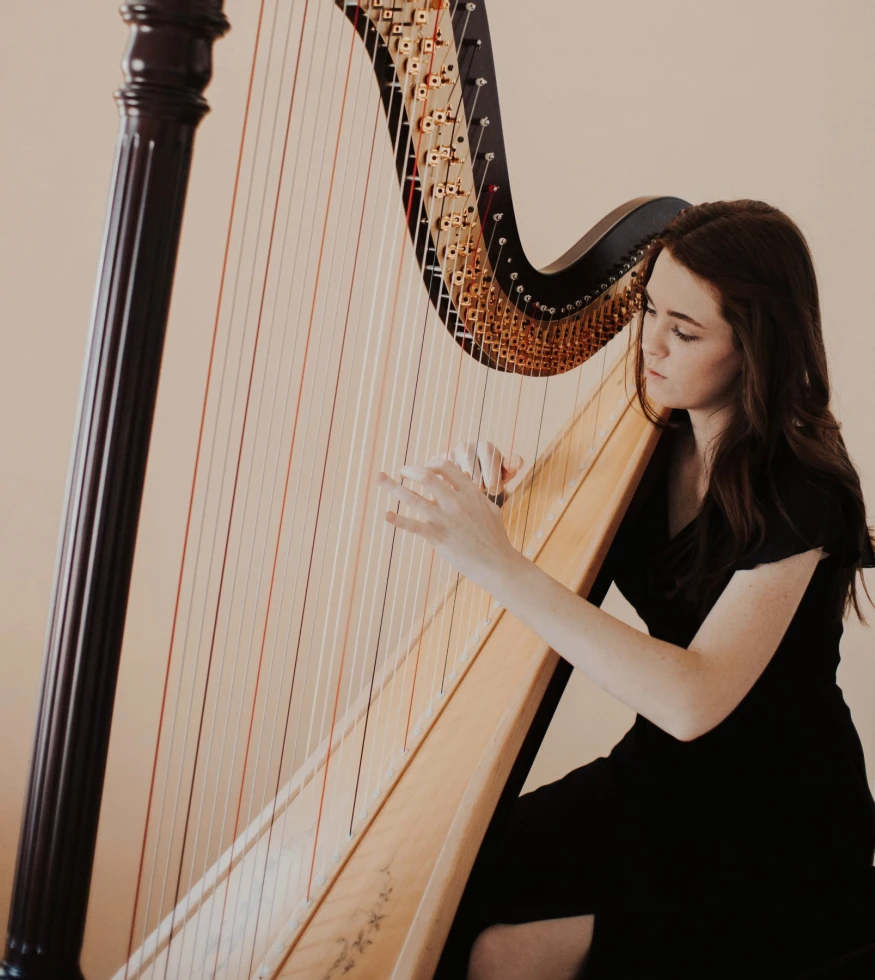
(167, 65)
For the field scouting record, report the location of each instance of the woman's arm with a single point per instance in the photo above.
(657, 679)
(684, 691)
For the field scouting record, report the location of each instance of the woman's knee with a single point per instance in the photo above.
(487, 960)
(553, 949)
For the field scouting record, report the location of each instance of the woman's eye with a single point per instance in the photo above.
(682, 336)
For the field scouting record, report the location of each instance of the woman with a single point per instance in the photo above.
(731, 832)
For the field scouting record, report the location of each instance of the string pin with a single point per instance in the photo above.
(476, 638)
(561, 500)
(417, 730)
(602, 432)
(540, 534)
(322, 879)
(496, 604)
(452, 675)
(572, 483)
(337, 856)
(550, 517)
(486, 622)
(529, 552)
(463, 657)
(390, 773)
(363, 815)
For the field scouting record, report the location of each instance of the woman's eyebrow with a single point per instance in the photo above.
(675, 314)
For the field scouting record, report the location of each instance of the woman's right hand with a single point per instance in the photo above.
(486, 466)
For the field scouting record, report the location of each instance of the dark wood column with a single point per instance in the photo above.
(167, 65)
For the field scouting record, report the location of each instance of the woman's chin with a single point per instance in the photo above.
(659, 397)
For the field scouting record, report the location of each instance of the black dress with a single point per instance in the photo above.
(746, 852)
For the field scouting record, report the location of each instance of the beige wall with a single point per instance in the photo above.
(600, 104)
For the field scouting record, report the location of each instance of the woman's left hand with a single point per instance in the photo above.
(457, 520)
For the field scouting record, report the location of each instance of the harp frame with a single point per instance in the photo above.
(167, 67)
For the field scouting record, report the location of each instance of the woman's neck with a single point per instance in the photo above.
(702, 436)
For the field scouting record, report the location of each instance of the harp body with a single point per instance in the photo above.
(377, 815)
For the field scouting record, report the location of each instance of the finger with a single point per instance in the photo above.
(403, 523)
(511, 467)
(476, 474)
(449, 471)
(464, 455)
(432, 482)
(491, 467)
(405, 495)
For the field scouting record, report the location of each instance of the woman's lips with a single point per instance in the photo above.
(655, 374)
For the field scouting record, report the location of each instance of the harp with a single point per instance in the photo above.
(339, 714)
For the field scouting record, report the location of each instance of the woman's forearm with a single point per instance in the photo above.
(657, 679)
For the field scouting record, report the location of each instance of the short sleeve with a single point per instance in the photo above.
(816, 519)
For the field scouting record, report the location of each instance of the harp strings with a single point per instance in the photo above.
(302, 563)
(321, 482)
(409, 712)
(413, 271)
(370, 469)
(241, 360)
(188, 522)
(230, 761)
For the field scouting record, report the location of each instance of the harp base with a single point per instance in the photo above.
(31, 970)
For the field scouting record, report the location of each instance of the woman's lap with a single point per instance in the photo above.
(757, 936)
(571, 848)
(557, 856)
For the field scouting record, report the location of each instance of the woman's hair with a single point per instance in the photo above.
(759, 263)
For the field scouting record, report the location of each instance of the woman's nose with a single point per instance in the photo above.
(653, 341)
(653, 348)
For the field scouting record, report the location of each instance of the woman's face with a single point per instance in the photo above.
(697, 364)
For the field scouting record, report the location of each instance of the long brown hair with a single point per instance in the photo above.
(759, 262)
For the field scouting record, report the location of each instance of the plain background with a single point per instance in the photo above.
(601, 103)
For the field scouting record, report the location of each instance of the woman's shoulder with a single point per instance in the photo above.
(803, 508)
(801, 485)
